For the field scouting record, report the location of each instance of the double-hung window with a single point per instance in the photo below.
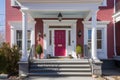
(19, 39)
(99, 38)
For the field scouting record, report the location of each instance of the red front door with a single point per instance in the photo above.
(60, 42)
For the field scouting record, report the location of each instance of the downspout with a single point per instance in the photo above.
(115, 53)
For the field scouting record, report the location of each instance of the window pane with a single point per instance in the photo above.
(89, 34)
(19, 34)
(89, 45)
(28, 34)
(99, 34)
(19, 43)
(69, 38)
(29, 44)
(89, 40)
(99, 44)
(50, 37)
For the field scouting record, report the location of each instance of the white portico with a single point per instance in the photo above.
(70, 9)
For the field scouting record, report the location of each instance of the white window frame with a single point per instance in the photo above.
(21, 39)
(17, 25)
(102, 29)
(100, 25)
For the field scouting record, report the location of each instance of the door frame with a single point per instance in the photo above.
(49, 49)
(53, 39)
(64, 44)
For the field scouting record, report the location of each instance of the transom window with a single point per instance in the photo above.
(19, 38)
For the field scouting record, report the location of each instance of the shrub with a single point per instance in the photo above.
(79, 49)
(39, 49)
(3, 63)
(10, 57)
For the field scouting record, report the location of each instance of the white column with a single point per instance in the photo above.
(94, 35)
(24, 37)
(33, 35)
(13, 36)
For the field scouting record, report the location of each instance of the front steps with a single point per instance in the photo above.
(60, 67)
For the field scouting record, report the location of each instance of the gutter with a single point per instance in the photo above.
(115, 53)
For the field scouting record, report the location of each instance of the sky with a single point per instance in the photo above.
(2, 15)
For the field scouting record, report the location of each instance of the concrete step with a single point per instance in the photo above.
(60, 74)
(62, 62)
(61, 66)
(60, 78)
(60, 69)
(54, 67)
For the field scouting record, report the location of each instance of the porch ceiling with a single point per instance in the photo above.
(61, 1)
(54, 14)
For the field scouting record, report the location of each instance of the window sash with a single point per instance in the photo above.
(99, 39)
(50, 37)
(19, 39)
(69, 38)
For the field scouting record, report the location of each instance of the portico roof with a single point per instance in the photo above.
(68, 8)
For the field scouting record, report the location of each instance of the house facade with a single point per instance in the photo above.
(83, 22)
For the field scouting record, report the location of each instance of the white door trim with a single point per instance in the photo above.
(50, 49)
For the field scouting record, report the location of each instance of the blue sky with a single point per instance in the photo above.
(2, 14)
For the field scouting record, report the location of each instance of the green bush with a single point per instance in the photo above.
(3, 63)
(39, 49)
(9, 57)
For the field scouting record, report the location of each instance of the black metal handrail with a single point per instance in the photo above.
(31, 54)
(87, 53)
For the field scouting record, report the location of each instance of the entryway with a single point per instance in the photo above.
(59, 38)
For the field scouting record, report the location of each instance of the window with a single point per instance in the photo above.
(19, 38)
(99, 38)
(50, 37)
(89, 38)
(69, 37)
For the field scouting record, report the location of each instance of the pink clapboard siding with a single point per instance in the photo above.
(12, 14)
